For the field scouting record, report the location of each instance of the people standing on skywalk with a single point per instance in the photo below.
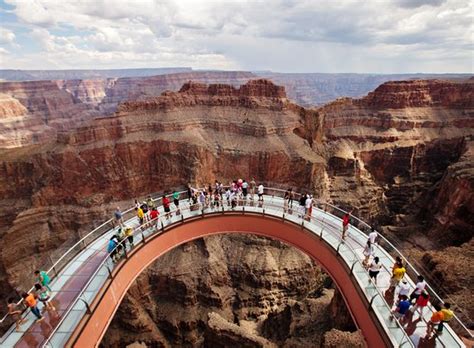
(448, 314)
(145, 209)
(308, 206)
(166, 206)
(112, 248)
(118, 217)
(368, 252)
(150, 203)
(374, 269)
(190, 192)
(252, 186)
(128, 233)
(15, 313)
(140, 215)
(176, 201)
(43, 278)
(245, 187)
(260, 191)
(421, 303)
(29, 300)
(346, 219)
(401, 310)
(436, 319)
(419, 287)
(403, 289)
(302, 203)
(42, 293)
(373, 235)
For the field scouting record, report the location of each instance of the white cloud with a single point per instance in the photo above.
(6, 36)
(344, 35)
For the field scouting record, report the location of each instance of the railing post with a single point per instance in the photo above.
(372, 300)
(243, 209)
(283, 217)
(321, 234)
(352, 267)
(88, 308)
(110, 272)
(302, 223)
(182, 218)
(143, 237)
(162, 226)
(339, 245)
(263, 211)
(125, 250)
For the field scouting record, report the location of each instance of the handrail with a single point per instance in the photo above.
(184, 209)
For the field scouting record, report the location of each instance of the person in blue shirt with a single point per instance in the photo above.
(112, 248)
(402, 309)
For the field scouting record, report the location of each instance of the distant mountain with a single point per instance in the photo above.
(306, 89)
(34, 75)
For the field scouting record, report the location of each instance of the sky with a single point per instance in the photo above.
(371, 36)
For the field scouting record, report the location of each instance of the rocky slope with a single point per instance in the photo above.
(400, 156)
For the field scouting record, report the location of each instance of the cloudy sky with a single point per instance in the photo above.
(381, 36)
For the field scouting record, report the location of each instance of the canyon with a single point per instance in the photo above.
(401, 157)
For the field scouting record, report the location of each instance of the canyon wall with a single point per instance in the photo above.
(402, 157)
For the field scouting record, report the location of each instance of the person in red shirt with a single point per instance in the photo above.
(345, 223)
(421, 303)
(166, 206)
(154, 216)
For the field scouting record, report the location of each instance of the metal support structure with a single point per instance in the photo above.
(372, 300)
(353, 265)
(110, 272)
(88, 308)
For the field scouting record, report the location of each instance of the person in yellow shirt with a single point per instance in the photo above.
(129, 234)
(448, 314)
(140, 215)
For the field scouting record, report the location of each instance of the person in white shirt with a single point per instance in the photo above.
(419, 287)
(403, 288)
(307, 205)
(374, 269)
(260, 192)
(373, 235)
(368, 252)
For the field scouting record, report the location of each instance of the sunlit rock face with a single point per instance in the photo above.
(402, 157)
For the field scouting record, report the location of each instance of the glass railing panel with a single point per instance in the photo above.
(70, 321)
(59, 339)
